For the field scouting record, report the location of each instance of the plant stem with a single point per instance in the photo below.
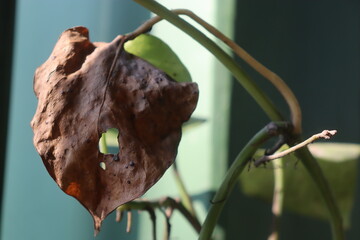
(165, 203)
(185, 196)
(316, 173)
(264, 102)
(129, 221)
(232, 176)
(268, 108)
(326, 134)
(278, 83)
(278, 199)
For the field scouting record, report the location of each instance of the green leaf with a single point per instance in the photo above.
(339, 164)
(159, 54)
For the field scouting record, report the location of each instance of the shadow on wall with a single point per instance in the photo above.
(317, 55)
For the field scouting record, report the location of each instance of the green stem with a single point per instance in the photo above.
(278, 198)
(232, 176)
(185, 196)
(267, 107)
(316, 173)
(264, 102)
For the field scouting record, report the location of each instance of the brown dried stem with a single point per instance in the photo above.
(184, 194)
(278, 200)
(119, 215)
(167, 203)
(277, 81)
(129, 221)
(153, 220)
(326, 134)
(167, 213)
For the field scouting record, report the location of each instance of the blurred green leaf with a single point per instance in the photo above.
(339, 164)
(111, 137)
(159, 54)
(111, 140)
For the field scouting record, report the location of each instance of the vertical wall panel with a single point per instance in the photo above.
(34, 207)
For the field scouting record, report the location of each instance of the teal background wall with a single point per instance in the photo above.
(33, 206)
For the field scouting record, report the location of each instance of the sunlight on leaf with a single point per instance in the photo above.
(111, 136)
(108, 143)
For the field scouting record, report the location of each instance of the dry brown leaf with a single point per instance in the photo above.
(78, 101)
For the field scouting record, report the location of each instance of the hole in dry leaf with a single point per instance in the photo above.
(109, 144)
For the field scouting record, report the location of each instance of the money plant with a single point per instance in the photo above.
(136, 91)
